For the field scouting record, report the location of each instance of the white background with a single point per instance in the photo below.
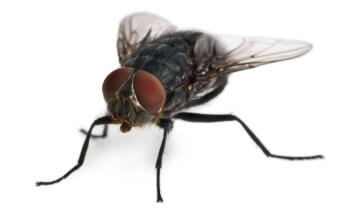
(55, 55)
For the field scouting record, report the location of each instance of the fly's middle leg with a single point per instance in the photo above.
(167, 126)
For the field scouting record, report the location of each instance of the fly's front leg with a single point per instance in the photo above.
(167, 126)
(194, 117)
(80, 162)
(95, 136)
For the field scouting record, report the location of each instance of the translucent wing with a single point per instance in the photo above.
(219, 55)
(139, 28)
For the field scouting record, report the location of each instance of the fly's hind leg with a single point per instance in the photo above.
(97, 136)
(194, 117)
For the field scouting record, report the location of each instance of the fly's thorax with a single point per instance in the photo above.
(133, 98)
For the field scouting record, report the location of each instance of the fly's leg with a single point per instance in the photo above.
(99, 121)
(167, 126)
(94, 136)
(194, 117)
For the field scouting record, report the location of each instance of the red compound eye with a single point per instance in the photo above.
(114, 81)
(150, 91)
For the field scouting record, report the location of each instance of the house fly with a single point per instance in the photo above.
(164, 71)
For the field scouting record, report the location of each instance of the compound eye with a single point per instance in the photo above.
(114, 81)
(149, 91)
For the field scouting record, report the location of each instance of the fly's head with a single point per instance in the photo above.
(133, 98)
